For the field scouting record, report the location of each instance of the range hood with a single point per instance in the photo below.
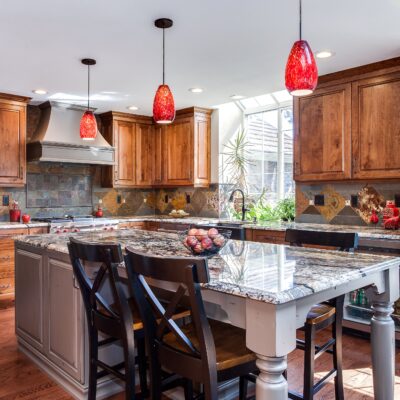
(57, 138)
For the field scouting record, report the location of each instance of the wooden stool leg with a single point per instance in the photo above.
(188, 389)
(93, 356)
(130, 386)
(309, 358)
(337, 350)
(142, 361)
(243, 382)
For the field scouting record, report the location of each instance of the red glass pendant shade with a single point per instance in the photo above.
(163, 105)
(88, 127)
(301, 75)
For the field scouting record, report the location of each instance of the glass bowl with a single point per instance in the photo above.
(206, 243)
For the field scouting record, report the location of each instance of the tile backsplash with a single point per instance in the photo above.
(55, 189)
(337, 208)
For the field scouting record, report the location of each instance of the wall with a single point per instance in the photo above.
(371, 196)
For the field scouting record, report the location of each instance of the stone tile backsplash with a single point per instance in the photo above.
(371, 196)
(55, 189)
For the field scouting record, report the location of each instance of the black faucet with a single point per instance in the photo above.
(244, 209)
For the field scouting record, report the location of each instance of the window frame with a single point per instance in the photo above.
(279, 107)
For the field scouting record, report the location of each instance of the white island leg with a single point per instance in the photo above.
(271, 384)
(383, 350)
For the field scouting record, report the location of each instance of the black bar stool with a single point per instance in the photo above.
(321, 316)
(203, 351)
(117, 319)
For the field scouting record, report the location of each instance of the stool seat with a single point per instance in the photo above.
(230, 344)
(320, 313)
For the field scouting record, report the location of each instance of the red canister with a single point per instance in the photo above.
(15, 215)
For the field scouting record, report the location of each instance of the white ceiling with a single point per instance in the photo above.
(224, 46)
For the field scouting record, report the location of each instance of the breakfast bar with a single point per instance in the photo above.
(266, 289)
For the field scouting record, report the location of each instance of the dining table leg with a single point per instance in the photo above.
(383, 350)
(271, 384)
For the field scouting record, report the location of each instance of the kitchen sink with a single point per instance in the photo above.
(236, 227)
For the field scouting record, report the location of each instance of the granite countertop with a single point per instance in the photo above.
(271, 273)
(363, 231)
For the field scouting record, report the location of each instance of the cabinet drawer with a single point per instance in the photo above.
(275, 237)
(38, 230)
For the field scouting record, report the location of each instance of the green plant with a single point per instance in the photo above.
(286, 209)
(237, 160)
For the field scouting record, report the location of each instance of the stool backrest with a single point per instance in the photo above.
(113, 316)
(343, 241)
(193, 359)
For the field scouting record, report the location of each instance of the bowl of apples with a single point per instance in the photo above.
(202, 242)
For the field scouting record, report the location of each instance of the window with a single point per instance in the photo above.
(270, 139)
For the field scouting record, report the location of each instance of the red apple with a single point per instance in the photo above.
(207, 243)
(219, 240)
(198, 248)
(212, 233)
(26, 218)
(191, 241)
(192, 232)
(201, 234)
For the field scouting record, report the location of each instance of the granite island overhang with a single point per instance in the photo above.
(266, 289)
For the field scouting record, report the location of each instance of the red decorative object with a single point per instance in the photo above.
(15, 215)
(301, 75)
(163, 105)
(374, 218)
(99, 212)
(391, 223)
(390, 210)
(26, 218)
(88, 127)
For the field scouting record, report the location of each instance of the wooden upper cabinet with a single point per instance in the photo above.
(322, 129)
(376, 127)
(144, 154)
(151, 155)
(178, 152)
(125, 143)
(13, 140)
(186, 149)
(202, 149)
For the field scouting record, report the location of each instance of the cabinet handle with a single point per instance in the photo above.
(74, 283)
(5, 258)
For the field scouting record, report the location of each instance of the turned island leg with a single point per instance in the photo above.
(383, 350)
(271, 384)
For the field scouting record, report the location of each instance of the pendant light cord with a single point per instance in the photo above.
(163, 56)
(88, 86)
(300, 19)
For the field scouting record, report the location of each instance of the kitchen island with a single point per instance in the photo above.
(264, 288)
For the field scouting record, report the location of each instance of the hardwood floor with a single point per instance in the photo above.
(21, 379)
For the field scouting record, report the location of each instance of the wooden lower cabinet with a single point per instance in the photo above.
(266, 236)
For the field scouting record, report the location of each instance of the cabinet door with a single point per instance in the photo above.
(202, 156)
(6, 266)
(12, 136)
(158, 176)
(144, 154)
(125, 174)
(65, 323)
(178, 153)
(322, 135)
(29, 318)
(376, 127)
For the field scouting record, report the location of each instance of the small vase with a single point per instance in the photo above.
(15, 215)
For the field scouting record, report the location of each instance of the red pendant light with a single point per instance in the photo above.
(163, 105)
(88, 126)
(301, 74)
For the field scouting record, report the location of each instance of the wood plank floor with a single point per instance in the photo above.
(21, 379)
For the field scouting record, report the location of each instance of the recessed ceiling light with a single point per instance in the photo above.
(236, 97)
(39, 91)
(196, 90)
(132, 108)
(324, 54)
